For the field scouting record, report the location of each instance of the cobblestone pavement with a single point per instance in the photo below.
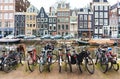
(21, 73)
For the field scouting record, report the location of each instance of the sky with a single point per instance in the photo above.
(73, 3)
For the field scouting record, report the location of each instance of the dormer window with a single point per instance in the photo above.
(42, 14)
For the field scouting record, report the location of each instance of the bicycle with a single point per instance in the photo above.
(74, 59)
(32, 58)
(89, 65)
(102, 60)
(46, 57)
(68, 59)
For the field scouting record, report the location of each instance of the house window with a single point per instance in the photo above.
(45, 20)
(101, 7)
(46, 26)
(81, 25)
(34, 18)
(59, 27)
(101, 14)
(33, 25)
(6, 24)
(105, 14)
(96, 7)
(66, 27)
(96, 21)
(50, 19)
(41, 26)
(54, 28)
(30, 17)
(50, 27)
(42, 14)
(10, 7)
(27, 17)
(85, 17)
(105, 8)
(101, 21)
(62, 27)
(6, 16)
(105, 21)
(81, 17)
(30, 25)
(96, 14)
(85, 25)
(42, 19)
(27, 25)
(54, 20)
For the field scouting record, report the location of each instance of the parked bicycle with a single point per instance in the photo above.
(32, 58)
(112, 59)
(85, 55)
(101, 59)
(74, 59)
(10, 61)
(46, 57)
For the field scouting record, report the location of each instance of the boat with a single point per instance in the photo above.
(101, 41)
(83, 42)
(4, 40)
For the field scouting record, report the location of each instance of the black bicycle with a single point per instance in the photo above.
(85, 56)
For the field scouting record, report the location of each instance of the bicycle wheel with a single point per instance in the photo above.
(49, 69)
(36, 61)
(70, 66)
(6, 66)
(104, 67)
(30, 64)
(60, 63)
(89, 65)
(54, 58)
(79, 67)
(69, 63)
(41, 67)
(116, 66)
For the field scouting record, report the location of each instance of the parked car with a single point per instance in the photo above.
(10, 37)
(30, 37)
(20, 36)
(68, 36)
(46, 37)
(56, 37)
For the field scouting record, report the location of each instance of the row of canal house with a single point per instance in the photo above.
(98, 19)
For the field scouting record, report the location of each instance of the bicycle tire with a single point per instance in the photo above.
(60, 68)
(104, 67)
(6, 66)
(54, 57)
(41, 67)
(117, 65)
(30, 64)
(89, 63)
(49, 69)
